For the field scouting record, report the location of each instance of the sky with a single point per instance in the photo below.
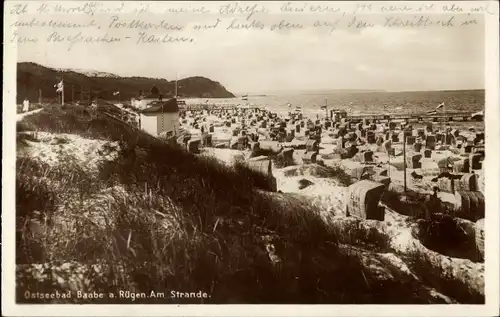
(259, 61)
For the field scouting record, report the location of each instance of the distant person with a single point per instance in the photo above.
(26, 105)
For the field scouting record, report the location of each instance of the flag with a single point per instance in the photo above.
(116, 93)
(323, 107)
(432, 112)
(479, 113)
(244, 97)
(441, 105)
(59, 86)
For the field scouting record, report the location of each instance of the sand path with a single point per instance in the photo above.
(20, 116)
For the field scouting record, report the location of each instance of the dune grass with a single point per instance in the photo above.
(441, 280)
(173, 221)
(439, 232)
(448, 236)
(335, 171)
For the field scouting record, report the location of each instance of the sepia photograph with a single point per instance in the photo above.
(251, 152)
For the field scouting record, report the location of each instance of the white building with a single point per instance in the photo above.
(160, 116)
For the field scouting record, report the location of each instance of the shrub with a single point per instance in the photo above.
(35, 201)
(442, 280)
(446, 235)
(357, 233)
(337, 172)
(411, 203)
(280, 161)
(23, 126)
(252, 177)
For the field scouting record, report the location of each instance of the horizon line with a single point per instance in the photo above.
(333, 90)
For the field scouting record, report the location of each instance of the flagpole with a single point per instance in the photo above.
(326, 108)
(442, 123)
(404, 159)
(446, 127)
(444, 109)
(388, 157)
(176, 85)
(62, 92)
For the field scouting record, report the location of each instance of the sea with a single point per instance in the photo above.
(360, 102)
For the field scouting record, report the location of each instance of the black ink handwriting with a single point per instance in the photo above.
(145, 38)
(359, 23)
(415, 22)
(237, 8)
(23, 39)
(207, 25)
(87, 8)
(55, 37)
(323, 8)
(282, 25)
(37, 23)
(19, 9)
(238, 25)
(290, 7)
(117, 23)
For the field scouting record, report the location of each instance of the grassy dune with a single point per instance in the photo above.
(154, 217)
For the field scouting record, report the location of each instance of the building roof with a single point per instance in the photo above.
(167, 106)
(149, 96)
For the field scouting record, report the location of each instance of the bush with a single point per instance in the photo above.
(357, 233)
(446, 235)
(280, 161)
(35, 201)
(23, 126)
(409, 203)
(304, 183)
(337, 172)
(80, 120)
(255, 178)
(32, 191)
(441, 280)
